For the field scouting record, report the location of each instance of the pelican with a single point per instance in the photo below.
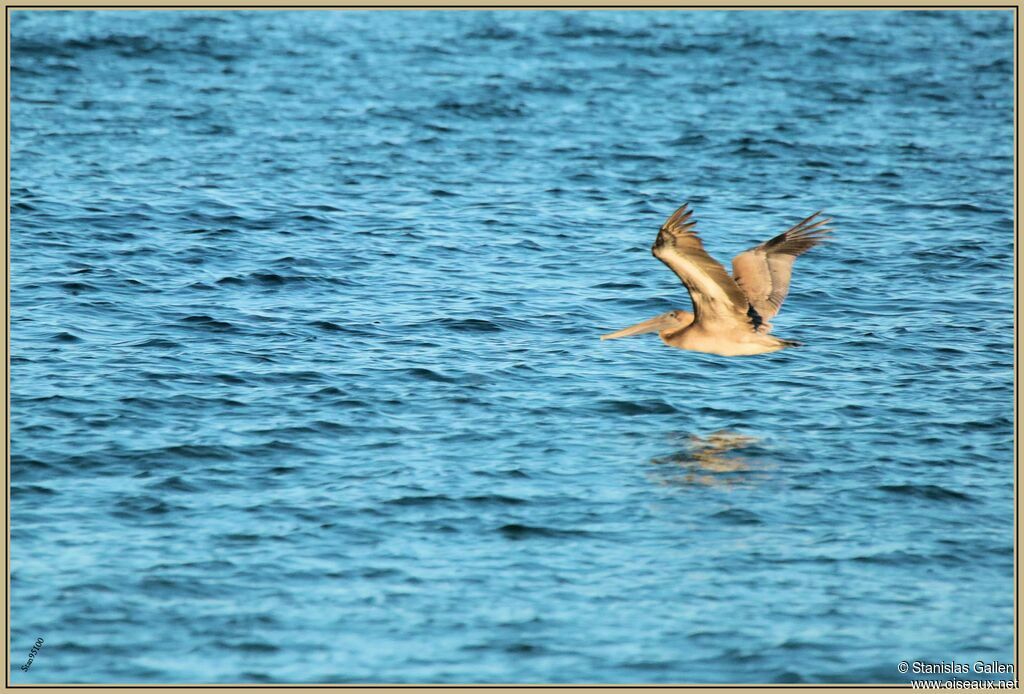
(730, 314)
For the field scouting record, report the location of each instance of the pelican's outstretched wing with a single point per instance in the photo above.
(716, 296)
(763, 272)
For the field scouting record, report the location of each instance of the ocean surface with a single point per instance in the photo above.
(306, 383)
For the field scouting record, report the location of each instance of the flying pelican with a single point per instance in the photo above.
(731, 314)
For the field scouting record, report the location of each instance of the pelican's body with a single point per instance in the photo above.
(730, 313)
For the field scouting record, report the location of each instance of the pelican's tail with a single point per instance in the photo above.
(651, 325)
(786, 344)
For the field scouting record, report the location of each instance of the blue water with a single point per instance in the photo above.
(306, 384)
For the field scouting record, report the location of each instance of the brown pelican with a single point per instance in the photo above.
(730, 314)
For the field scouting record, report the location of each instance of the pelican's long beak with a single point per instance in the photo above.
(652, 325)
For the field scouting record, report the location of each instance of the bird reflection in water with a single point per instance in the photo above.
(711, 460)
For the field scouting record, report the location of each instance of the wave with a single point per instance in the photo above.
(932, 492)
(639, 407)
(519, 531)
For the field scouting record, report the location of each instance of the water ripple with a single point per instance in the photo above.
(305, 370)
